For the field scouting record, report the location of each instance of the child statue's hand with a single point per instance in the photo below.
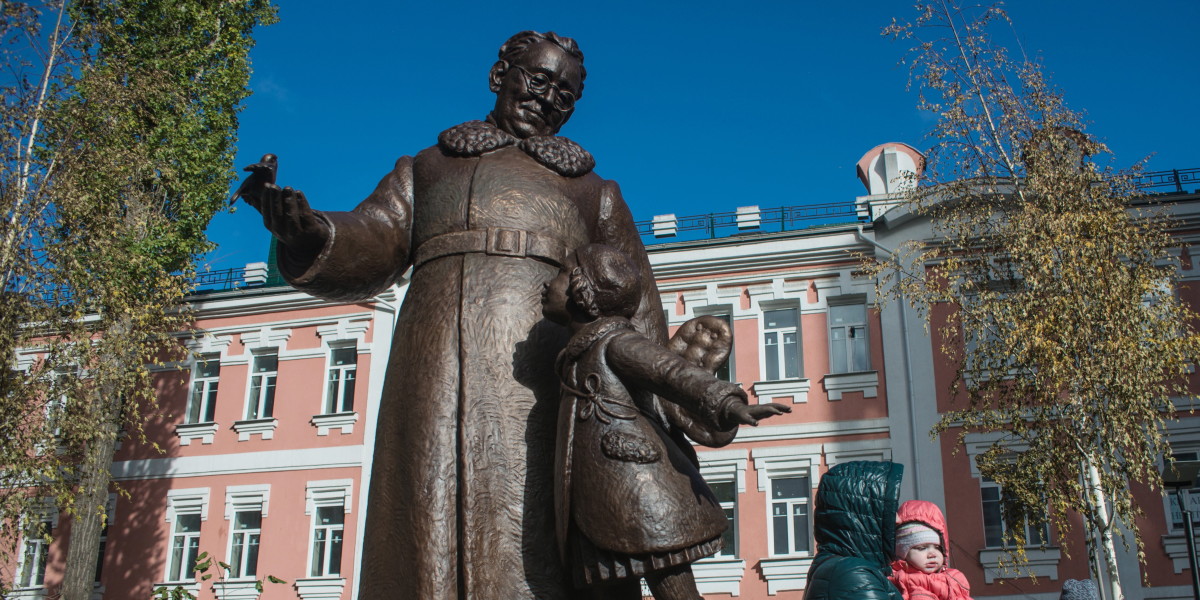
(751, 414)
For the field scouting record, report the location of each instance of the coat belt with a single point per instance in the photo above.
(495, 241)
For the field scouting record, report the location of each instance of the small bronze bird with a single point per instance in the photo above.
(261, 173)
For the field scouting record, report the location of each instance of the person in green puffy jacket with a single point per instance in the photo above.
(855, 528)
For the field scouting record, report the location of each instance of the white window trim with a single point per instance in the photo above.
(1184, 436)
(723, 574)
(243, 498)
(46, 513)
(263, 427)
(1043, 562)
(329, 349)
(194, 366)
(266, 339)
(778, 462)
(783, 304)
(269, 351)
(236, 590)
(196, 431)
(848, 300)
(320, 588)
(331, 492)
(343, 421)
(866, 382)
(247, 497)
(182, 502)
(187, 501)
(775, 391)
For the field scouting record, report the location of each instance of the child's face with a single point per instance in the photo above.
(554, 294)
(927, 558)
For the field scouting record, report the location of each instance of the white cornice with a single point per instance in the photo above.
(241, 462)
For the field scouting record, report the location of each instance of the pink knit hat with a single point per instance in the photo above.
(914, 534)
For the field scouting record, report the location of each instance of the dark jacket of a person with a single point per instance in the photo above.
(855, 530)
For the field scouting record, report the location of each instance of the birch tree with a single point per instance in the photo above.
(1069, 339)
(120, 117)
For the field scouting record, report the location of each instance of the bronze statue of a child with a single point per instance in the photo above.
(629, 502)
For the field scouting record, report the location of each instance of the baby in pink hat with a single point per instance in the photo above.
(920, 569)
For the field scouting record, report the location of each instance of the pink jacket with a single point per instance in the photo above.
(947, 584)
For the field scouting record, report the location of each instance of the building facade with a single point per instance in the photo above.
(267, 434)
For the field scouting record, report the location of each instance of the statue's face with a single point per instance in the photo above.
(523, 111)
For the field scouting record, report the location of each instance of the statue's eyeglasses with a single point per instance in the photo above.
(538, 84)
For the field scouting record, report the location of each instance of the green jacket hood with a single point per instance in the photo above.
(856, 511)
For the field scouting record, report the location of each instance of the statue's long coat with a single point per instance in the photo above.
(461, 499)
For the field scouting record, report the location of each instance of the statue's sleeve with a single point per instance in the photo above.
(368, 247)
(645, 365)
(616, 228)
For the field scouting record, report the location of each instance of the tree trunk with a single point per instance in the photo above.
(1104, 531)
(95, 470)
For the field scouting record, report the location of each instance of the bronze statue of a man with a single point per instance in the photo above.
(461, 497)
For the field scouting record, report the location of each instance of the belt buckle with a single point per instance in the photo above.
(502, 241)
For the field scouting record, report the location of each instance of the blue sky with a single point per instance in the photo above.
(693, 107)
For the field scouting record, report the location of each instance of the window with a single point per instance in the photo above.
(327, 502)
(848, 349)
(993, 519)
(1192, 497)
(781, 349)
(186, 509)
(243, 551)
(261, 403)
(790, 530)
(185, 546)
(31, 572)
(726, 492)
(328, 526)
(203, 399)
(339, 389)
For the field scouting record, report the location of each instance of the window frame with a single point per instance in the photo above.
(846, 352)
(1042, 538)
(789, 515)
(36, 527)
(780, 363)
(335, 495)
(340, 402)
(245, 499)
(262, 406)
(184, 503)
(209, 384)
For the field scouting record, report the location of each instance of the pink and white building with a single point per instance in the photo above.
(268, 436)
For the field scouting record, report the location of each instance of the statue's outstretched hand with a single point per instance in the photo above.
(751, 414)
(286, 214)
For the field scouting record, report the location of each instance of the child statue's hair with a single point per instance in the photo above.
(605, 283)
